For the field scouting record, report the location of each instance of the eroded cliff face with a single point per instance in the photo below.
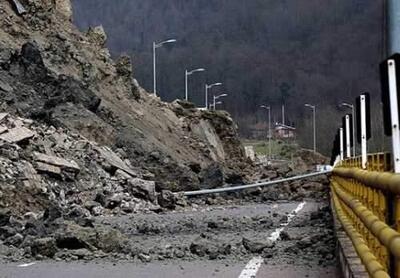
(54, 74)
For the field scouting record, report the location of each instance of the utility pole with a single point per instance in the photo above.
(269, 129)
(313, 107)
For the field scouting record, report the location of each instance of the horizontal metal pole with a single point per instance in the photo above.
(383, 232)
(254, 185)
(367, 257)
(385, 181)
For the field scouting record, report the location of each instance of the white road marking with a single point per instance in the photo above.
(252, 267)
(26, 265)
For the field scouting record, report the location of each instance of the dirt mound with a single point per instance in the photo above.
(51, 72)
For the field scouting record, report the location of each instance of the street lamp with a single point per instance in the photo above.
(187, 73)
(217, 97)
(351, 106)
(269, 129)
(155, 46)
(213, 105)
(314, 126)
(209, 87)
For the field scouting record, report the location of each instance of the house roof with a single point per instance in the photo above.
(282, 126)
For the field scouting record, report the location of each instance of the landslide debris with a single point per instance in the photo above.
(80, 140)
(52, 73)
(53, 182)
(83, 146)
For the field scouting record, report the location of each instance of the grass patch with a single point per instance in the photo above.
(279, 148)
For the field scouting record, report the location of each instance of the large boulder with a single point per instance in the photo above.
(44, 247)
(110, 240)
(72, 236)
(212, 176)
(143, 189)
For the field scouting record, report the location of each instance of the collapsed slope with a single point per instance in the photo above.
(79, 138)
(51, 72)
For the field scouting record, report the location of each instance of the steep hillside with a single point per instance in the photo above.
(51, 72)
(264, 51)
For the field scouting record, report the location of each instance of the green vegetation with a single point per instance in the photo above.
(279, 149)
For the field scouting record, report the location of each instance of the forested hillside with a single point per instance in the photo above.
(264, 51)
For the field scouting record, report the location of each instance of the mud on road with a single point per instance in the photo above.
(212, 241)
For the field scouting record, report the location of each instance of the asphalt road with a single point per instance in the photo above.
(282, 265)
(204, 269)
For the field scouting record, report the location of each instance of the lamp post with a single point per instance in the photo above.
(217, 97)
(213, 105)
(314, 126)
(155, 46)
(187, 73)
(269, 129)
(351, 106)
(209, 87)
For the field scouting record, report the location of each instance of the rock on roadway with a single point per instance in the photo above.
(213, 241)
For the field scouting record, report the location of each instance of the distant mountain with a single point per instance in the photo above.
(264, 51)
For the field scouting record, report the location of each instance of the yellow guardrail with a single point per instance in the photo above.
(374, 268)
(367, 203)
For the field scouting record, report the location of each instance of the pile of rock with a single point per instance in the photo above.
(53, 182)
(55, 234)
(69, 169)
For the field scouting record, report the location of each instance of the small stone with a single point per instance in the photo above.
(284, 235)
(97, 211)
(5, 88)
(144, 258)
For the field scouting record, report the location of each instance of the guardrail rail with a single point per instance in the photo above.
(367, 204)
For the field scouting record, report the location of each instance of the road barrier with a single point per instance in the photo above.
(367, 203)
(254, 185)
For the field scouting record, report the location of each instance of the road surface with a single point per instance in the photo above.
(286, 259)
